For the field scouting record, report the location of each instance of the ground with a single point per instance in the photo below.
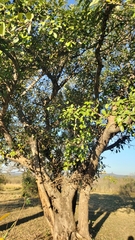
(112, 216)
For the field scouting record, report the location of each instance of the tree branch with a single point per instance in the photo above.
(10, 55)
(20, 159)
(38, 166)
(6, 133)
(106, 16)
(32, 84)
(110, 131)
(119, 142)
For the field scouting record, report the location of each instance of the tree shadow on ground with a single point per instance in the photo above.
(102, 205)
(18, 203)
(20, 221)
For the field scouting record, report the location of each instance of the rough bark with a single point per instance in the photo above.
(58, 210)
(46, 203)
(109, 132)
(64, 222)
(83, 213)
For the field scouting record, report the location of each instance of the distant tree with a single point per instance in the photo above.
(128, 188)
(3, 181)
(67, 83)
(29, 186)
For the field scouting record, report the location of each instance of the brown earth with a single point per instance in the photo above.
(25, 221)
(112, 217)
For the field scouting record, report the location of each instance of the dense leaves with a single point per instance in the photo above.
(45, 45)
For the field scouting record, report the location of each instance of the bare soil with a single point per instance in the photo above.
(111, 216)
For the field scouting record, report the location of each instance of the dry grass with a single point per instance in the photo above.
(12, 186)
(112, 184)
(111, 215)
(26, 221)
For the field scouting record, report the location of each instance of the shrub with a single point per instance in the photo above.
(127, 189)
(29, 184)
(3, 180)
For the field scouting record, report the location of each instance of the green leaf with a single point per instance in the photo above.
(15, 40)
(12, 153)
(69, 44)
(2, 28)
(119, 119)
(94, 3)
(20, 16)
(104, 112)
(121, 128)
(55, 35)
(29, 16)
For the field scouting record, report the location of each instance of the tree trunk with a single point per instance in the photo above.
(83, 213)
(59, 210)
(46, 204)
(64, 222)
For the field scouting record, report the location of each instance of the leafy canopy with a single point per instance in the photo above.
(67, 77)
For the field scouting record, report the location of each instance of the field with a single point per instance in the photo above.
(111, 212)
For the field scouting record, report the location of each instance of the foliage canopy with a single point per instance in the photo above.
(46, 45)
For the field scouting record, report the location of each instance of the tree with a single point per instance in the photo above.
(67, 95)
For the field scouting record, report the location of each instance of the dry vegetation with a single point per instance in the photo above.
(111, 213)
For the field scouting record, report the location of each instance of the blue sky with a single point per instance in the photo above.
(121, 163)
(71, 1)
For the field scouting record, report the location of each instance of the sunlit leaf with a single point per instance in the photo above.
(2, 28)
(29, 16)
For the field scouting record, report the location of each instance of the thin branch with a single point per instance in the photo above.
(25, 121)
(10, 55)
(119, 142)
(73, 74)
(6, 133)
(106, 16)
(20, 159)
(32, 84)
